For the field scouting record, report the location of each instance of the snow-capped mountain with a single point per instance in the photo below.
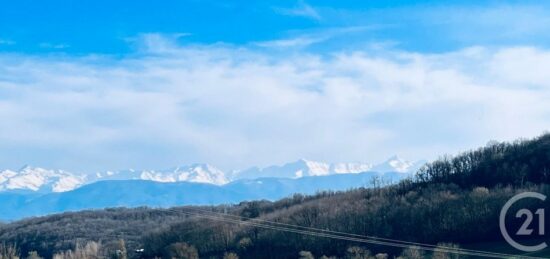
(39, 179)
(198, 173)
(44, 180)
(350, 168)
(296, 169)
(135, 193)
(304, 167)
(397, 164)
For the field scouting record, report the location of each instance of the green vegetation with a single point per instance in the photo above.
(453, 200)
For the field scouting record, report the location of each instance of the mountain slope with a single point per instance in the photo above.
(305, 167)
(196, 173)
(135, 193)
(276, 188)
(295, 169)
(39, 179)
(397, 164)
(46, 181)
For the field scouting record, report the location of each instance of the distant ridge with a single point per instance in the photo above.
(36, 179)
(136, 193)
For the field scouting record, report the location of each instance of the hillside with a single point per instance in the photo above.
(453, 200)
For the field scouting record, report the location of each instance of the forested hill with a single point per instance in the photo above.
(453, 200)
(517, 163)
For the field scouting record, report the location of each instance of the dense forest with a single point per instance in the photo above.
(453, 201)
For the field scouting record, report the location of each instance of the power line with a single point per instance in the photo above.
(335, 234)
(395, 243)
(340, 233)
(339, 237)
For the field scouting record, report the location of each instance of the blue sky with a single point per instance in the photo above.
(96, 85)
(81, 27)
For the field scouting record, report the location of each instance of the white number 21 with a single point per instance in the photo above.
(525, 230)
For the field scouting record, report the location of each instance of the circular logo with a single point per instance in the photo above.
(524, 229)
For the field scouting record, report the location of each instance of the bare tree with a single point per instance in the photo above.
(8, 251)
(306, 255)
(121, 252)
(33, 255)
(442, 251)
(230, 256)
(90, 251)
(413, 252)
(182, 250)
(356, 252)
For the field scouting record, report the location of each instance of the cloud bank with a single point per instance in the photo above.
(238, 106)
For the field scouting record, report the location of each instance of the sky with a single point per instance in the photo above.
(101, 85)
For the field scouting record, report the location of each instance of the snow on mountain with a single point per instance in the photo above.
(39, 179)
(135, 193)
(44, 180)
(6, 175)
(397, 164)
(350, 168)
(296, 169)
(302, 168)
(198, 173)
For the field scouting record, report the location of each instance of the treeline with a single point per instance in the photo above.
(517, 163)
(93, 250)
(452, 200)
(439, 213)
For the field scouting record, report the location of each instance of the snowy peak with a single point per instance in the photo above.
(44, 180)
(316, 167)
(308, 168)
(350, 168)
(295, 169)
(199, 173)
(39, 179)
(397, 164)
(302, 168)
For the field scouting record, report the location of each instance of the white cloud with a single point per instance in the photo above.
(157, 42)
(235, 107)
(292, 42)
(308, 38)
(48, 45)
(301, 9)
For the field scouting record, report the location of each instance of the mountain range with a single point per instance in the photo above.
(33, 191)
(35, 179)
(136, 193)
